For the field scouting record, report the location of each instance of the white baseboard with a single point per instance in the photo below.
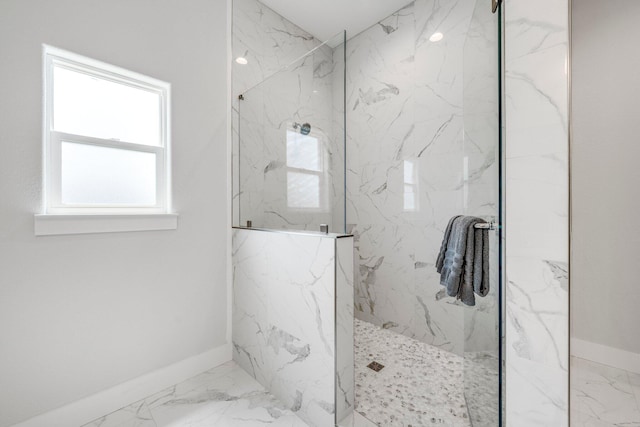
(95, 406)
(605, 355)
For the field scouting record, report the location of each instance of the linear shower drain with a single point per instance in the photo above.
(375, 366)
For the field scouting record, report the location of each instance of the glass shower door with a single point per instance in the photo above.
(481, 198)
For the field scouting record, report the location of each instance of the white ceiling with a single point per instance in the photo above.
(325, 18)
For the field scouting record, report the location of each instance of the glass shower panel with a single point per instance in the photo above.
(423, 123)
(291, 145)
(481, 192)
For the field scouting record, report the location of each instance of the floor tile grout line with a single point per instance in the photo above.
(150, 413)
(634, 392)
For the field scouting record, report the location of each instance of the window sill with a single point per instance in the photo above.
(52, 224)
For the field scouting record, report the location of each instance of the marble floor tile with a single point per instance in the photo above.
(603, 396)
(584, 420)
(420, 385)
(232, 399)
(361, 421)
(134, 415)
(356, 420)
(634, 380)
(225, 396)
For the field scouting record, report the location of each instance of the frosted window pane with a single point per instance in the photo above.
(92, 106)
(408, 172)
(303, 152)
(94, 175)
(303, 190)
(409, 201)
(410, 197)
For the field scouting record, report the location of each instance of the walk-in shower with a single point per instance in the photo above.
(383, 135)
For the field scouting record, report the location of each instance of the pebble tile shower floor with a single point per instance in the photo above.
(420, 385)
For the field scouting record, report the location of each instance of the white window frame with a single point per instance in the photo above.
(54, 57)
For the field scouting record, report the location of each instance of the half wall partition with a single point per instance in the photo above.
(292, 284)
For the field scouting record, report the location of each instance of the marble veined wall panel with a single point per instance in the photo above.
(345, 380)
(286, 312)
(415, 158)
(536, 85)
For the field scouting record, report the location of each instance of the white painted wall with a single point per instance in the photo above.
(605, 174)
(79, 314)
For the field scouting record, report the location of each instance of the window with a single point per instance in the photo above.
(306, 177)
(106, 138)
(410, 185)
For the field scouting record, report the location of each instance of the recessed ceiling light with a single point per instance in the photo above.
(242, 61)
(436, 37)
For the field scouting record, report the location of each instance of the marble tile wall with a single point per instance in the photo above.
(285, 320)
(281, 86)
(269, 43)
(266, 40)
(536, 85)
(421, 118)
(345, 357)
